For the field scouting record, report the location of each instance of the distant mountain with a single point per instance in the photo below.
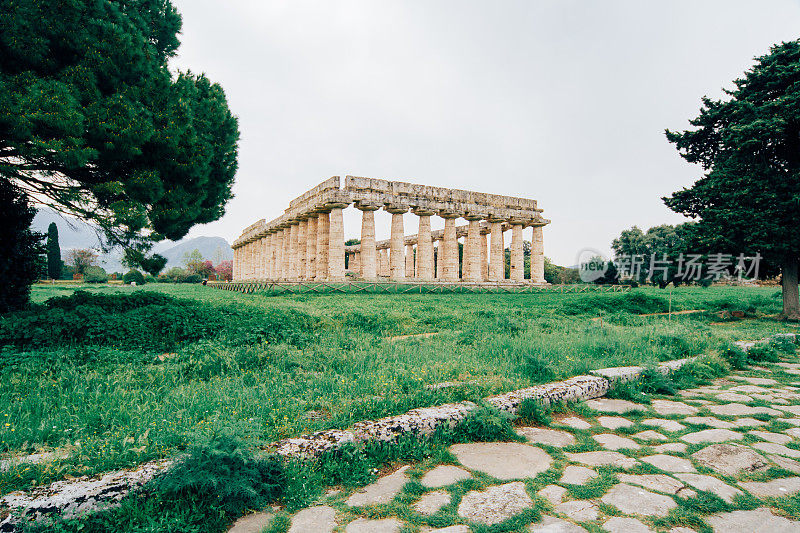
(75, 233)
(214, 249)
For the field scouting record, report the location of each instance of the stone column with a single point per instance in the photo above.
(246, 254)
(369, 267)
(497, 261)
(293, 232)
(336, 243)
(355, 262)
(517, 258)
(311, 247)
(409, 260)
(396, 258)
(472, 250)
(450, 247)
(323, 233)
(484, 256)
(537, 255)
(425, 265)
(262, 257)
(273, 256)
(302, 228)
(278, 255)
(383, 262)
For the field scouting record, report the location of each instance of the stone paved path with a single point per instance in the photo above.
(723, 457)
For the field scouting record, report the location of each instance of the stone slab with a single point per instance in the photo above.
(712, 435)
(709, 421)
(614, 422)
(579, 510)
(503, 460)
(649, 435)
(769, 436)
(610, 405)
(658, 482)
(710, 484)
(730, 459)
(382, 491)
(575, 422)
(664, 423)
(739, 409)
(431, 502)
(784, 462)
(495, 504)
(668, 407)
(603, 458)
(759, 520)
(444, 475)
(553, 493)
(778, 449)
(635, 500)
(384, 525)
(551, 437)
(619, 524)
(610, 441)
(320, 518)
(674, 447)
(551, 524)
(577, 475)
(252, 523)
(669, 463)
(774, 488)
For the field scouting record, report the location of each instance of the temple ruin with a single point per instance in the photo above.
(306, 243)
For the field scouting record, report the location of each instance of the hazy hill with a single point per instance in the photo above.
(74, 233)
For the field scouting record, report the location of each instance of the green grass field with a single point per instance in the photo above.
(116, 387)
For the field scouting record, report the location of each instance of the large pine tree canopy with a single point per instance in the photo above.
(93, 123)
(748, 200)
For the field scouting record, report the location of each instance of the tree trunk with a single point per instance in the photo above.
(791, 299)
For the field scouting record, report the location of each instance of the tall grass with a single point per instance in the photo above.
(268, 368)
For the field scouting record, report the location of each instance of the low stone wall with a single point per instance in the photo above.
(85, 495)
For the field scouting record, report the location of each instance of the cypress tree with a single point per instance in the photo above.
(53, 252)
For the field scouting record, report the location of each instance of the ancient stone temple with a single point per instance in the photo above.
(306, 242)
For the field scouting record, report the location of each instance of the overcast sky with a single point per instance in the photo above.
(561, 101)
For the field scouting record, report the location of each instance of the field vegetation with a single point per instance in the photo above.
(110, 377)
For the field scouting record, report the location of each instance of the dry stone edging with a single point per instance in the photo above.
(86, 495)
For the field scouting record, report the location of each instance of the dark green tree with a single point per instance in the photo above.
(54, 262)
(749, 148)
(94, 124)
(22, 249)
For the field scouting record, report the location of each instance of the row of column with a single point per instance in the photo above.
(311, 248)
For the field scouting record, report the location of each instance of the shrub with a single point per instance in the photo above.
(485, 424)
(193, 278)
(95, 274)
(223, 474)
(763, 352)
(534, 412)
(133, 276)
(735, 356)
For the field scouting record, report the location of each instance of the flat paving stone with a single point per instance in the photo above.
(739, 409)
(778, 449)
(747, 422)
(733, 397)
(503, 460)
(619, 524)
(749, 389)
(552, 524)
(664, 423)
(252, 523)
(759, 520)
(460, 528)
(793, 421)
(579, 510)
(444, 475)
(730, 459)
(382, 491)
(709, 421)
(756, 381)
(614, 422)
(577, 475)
(712, 435)
(649, 435)
(495, 504)
(775, 488)
(710, 484)
(669, 463)
(635, 500)
(553, 493)
(610, 405)
(364, 525)
(320, 518)
(431, 502)
(610, 441)
(681, 529)
(793, 432)
(575, 422)
(551, 437)
(784, 462)
(794, 409)
(678, 447)
(668, 407)
(769, 436)
(659, 482)
(603, 458)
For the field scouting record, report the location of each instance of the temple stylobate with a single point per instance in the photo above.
(306, 243)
